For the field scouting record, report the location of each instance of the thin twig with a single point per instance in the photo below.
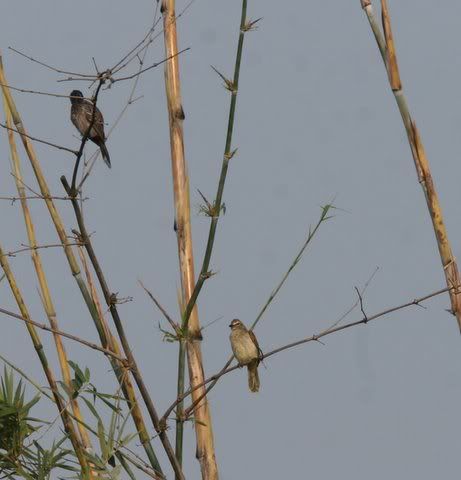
(354, 305)
(172, 323)
(129, 77)
(28, 248)
(35, 139)
(43, 326)
(43, 64)
(361, 304)
(35, 92)
(14, 199)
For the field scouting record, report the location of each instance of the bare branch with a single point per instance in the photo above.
(43, 64)
(59, 147)
(28, 248)
(172, 323)
(361, 305)
(37, 197)
(36, 92)
(312, 338)
(150, 67)
(44, 327)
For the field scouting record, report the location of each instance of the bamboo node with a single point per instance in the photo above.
(162, 426)
(207, 275)
(113, 299)
(228, 84)
(250, 25)
(229, 155)
(449, 264)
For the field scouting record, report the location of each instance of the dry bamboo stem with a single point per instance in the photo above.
(64, 414)
(43, 283)
(127, 386)
(203, 426)
(387, 49)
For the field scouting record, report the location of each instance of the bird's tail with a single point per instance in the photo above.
(253, 377)
(105, 153)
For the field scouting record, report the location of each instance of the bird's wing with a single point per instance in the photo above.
(97, 130)
(255, 341)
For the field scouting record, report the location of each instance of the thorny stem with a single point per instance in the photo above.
(312, 338)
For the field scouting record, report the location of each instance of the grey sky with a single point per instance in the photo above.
(315, 121)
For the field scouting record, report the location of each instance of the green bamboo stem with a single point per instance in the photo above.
(180, 406)
(217, 205)
(123, 379)
(215, 213)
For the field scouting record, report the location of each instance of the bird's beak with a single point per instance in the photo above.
(230, 325)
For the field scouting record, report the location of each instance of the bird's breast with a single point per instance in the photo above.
(243, 347)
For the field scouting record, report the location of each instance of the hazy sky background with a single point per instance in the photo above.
(315, 120)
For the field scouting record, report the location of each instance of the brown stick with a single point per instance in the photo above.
(111, 302)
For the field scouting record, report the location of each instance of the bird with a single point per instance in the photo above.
(246, 350)
(81, 115)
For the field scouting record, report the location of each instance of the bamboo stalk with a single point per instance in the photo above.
(43, 283)
(64, 414)
(387, 49)
(118, 368)
(215, 210)
(205, 452)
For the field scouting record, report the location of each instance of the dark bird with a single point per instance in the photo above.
(81, 115)
(246, 351)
